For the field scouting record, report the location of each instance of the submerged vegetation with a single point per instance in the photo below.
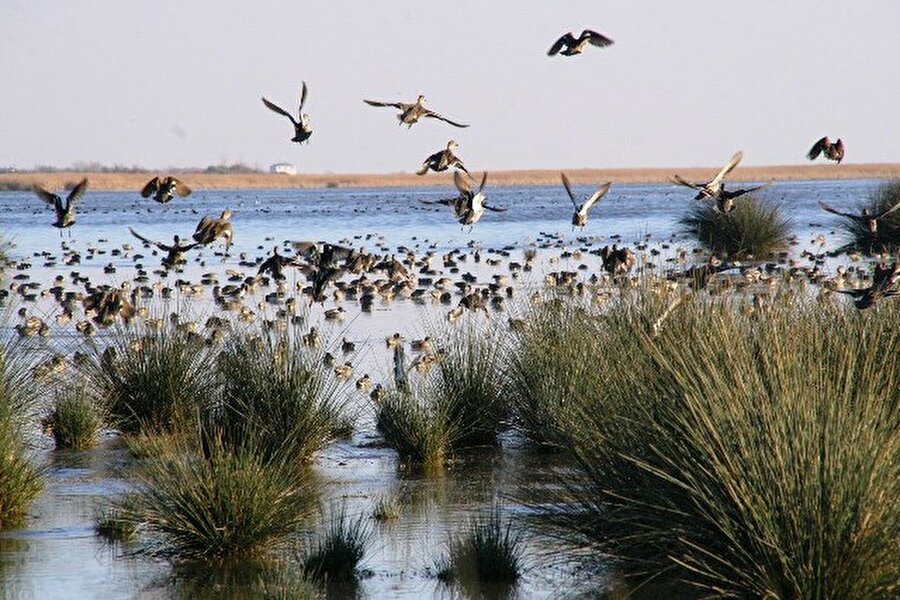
(754, 229)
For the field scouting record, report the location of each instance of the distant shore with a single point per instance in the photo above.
(201, 180)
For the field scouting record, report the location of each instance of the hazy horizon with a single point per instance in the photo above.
(171, 84)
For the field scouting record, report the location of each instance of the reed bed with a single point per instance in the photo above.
(754, 229)
(742, 449)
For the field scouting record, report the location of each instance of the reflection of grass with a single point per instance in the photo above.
(489, 552)
(753, 229)
(744, 453)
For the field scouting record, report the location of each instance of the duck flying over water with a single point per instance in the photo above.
(163, 189)
(579, 218)
(442, 160)
(832, 150)
(884, 280)
(865, 218)
(725, 198)
(275, 265)
(471, 205)
(174, 253)
(569, 45)
(65, 211)
(303, 127)
(410, 113)
(209, 229)
(711, 188)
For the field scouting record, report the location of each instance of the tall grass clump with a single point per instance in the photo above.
(757, 456)
(20, 480)
(887, 237)
(490, 552)
(75, 419)
(755, 228)
(231, 504)
(155, 382)
(338, 552)
(277, 394)
(420, 430)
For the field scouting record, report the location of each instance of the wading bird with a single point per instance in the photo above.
(65, 211)
(711, 188)
(163, 189)
(579, 218)
(442, 160)
(569, 45)
(833, 151)
(410, 113)
(883, 282)
(303, 127)
(174, 253)
(865, 218)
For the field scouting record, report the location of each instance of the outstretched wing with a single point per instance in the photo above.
(462, 183)
(735, 159)
(888, 211)
(483, 181)
(302, 97)
(680, 181)
(77, 191)
(279, 110)
(493, 208)
(142, 238)
(396, 105)
(568, 187)
(444, 201)
(596, 39)
(150, 188)
(837, 212)
(180, 188)
(817, 148)
(434, 115)
(46, 196)
(566, 40)
(601, 191)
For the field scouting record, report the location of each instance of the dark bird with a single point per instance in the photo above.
(883, 281)
(833, 151)
(303, 127)
(471, 205)
(441, 161)
(579, 218)
(163, 189)
(107, 304)
(65, 211)
(410, 113)
(711, 188)
(569, 45)
(865, 218)
(617, 260)
(174, 253)
(209, 229)
(275, 264)
(725, 198)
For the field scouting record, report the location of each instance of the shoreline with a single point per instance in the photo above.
(202, 180)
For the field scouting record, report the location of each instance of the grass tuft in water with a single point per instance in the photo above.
(490, 552)
(755, 228)
(113, 527)
(75, 420)
(387, 508)
(339, 551)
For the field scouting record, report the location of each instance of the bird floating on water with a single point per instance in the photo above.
(65, 211)
(865, 218)
(832, 150)
(442, 160)
(579, 218)
(163, 189)
(569, 45)
(410, 113)
(303, 127)
(713, 187)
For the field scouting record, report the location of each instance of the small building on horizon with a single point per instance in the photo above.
(283, 168)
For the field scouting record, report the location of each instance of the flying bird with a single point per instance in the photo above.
(579, 218)
(163, 189)
(865, 218)
(442, 160)
(174, 253)
(303, 127)
(471, 205)
(883, 282)
(725, 198)
(832, 150)
(569, 45)
(410, 113)
(713, 187)
(209, 229)
(65, 211)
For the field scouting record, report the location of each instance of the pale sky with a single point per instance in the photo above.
(687, 82)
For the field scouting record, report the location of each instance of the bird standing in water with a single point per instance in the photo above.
(303, 127)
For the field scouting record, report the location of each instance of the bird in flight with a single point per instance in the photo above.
(579, 218)
(883, 282)
(831, 150)
(65, 211)
(174, 253)
(865, 218)
(410, 113)
(713, 187)
(209, 228)
(163, 189)
(569, 45)
(303, 127)
(725, 198)
(442, 160)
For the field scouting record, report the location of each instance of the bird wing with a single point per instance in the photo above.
(434, 115)
(596, 39)
(302, 98)
(735, 159)
(142, 238)
(180, 188)
(77, 191)
(680, 181)
(280, 111)
(46, 196)
(444, 201)
(566, 40)
(888, 211)
(150, 188)
(837, 212)
(461, 183)
(601, 191)
(817, 148)
(483, 181)
(568, 187)
(493, 208)
(396, 105)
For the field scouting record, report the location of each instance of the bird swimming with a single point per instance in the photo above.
(569, 45)
(163, 189)
(410, 113)
(303, 127)
(65, 212)
(832, 150)
(442, 160)
(713, 187)
(579, 218)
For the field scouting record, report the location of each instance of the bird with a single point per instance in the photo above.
(833, 151)
(865, 218)
(209, 229)
(410, 113)
(579, 218)
(108, 304)
(275, 265)
(442, 160)
(65, 212)
(711, 188)
(174, 253)
(883, 280)
(468, 206)
(163, 189)
(303, 127)
(569, 45)
(725, 198)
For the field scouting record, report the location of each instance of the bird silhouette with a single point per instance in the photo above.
(410, 113)
(442, 160)
(712, 187)
(163, 189)
(65, 211)
(832, 150)
(569, 45)
(303, 126)
(579, 217)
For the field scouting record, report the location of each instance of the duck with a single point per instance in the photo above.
(108, 304)
(712, 188)
(275, 264)
(174, 253)
(303, 127)
(164, 189)
(442, 160)
(725, 198)
(65, 211)
(410, 113)
(832, 150)
(865, 218)
(209, 229)
(569, 45)
(883, 281)
(471, 205)
(579, 217)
